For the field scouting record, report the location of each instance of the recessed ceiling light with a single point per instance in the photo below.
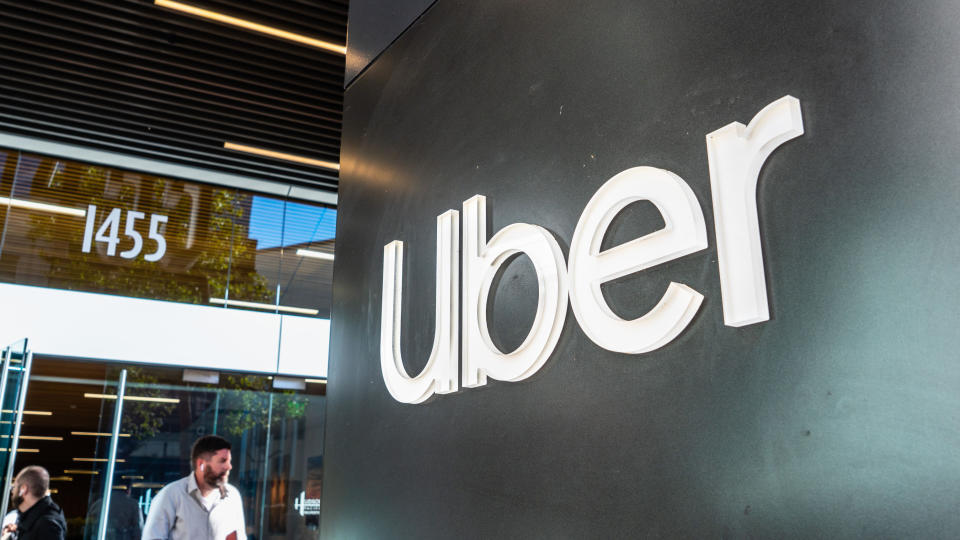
(250, 25)
(42, 207)
(37, 413)
(148, 485)
(281, 155)
(315, 254)
(36, 437)
(132, 398)
(258, 305)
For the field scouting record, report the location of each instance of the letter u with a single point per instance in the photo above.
(439, 376)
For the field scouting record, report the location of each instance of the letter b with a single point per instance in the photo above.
(481, 261)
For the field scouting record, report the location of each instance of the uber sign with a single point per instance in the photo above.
(735, 154)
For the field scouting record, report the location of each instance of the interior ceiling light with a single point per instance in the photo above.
(31, 450)
(315, 254)
(257, 305)
(36, 437)
(43, 207)
(97, 459)
(37, 413)
(250, 25)
(97, 434)
(316, 381)
(79, 471)
(132, 477)
(281, 155)
(133, 398)
(61, 479)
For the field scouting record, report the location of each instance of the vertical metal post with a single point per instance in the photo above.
(216, 412)
(16, 174)
(7, 353)
(266, 467)
(226, 290)
(15, 436)
(112, 458)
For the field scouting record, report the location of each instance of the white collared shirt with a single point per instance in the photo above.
(179, 512)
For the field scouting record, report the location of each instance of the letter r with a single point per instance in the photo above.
(736, 154)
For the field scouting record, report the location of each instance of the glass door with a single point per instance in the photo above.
(73, 426)
(14, 377)
(64, 424)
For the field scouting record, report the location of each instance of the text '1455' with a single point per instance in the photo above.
(109, 233)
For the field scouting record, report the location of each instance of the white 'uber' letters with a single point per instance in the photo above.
(736, 154)
(481, 260)
(684, 233)
(440, 374)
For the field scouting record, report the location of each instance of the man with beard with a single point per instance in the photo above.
(202, 506)
(39, 517)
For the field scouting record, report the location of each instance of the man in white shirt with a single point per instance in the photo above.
(202, 506)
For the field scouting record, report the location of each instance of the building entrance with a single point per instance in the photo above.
(66, 410)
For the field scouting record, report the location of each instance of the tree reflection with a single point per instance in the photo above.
(248, 405)
(208, 249)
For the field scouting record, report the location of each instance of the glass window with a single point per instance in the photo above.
(276, 437)
(308, 239)
(293, 249)
(70, 225)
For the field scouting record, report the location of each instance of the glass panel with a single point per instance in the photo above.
(128, 521)
(67, 423)
(14, 358)
(295, 466)
(8, 159)
(97, 229)
(291, 245)
(255, 266)
(306, 272)
(72, 225)
(276, 438)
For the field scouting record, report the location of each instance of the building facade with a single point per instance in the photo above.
(149, 253)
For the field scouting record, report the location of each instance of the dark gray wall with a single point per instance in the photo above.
(836, 418)
(374, 24)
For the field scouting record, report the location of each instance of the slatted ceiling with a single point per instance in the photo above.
(325, 19)
(41, 40)
(238, 165)
(135, 78)
(27, 91)
(192, 32)
(93, 54)
(48, 85)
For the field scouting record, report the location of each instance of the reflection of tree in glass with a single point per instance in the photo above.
(221, 254)
(247, 404)
(143, 419)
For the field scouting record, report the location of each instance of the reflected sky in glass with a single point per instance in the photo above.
(314, 223)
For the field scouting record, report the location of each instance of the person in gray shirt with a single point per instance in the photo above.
(202, 506)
